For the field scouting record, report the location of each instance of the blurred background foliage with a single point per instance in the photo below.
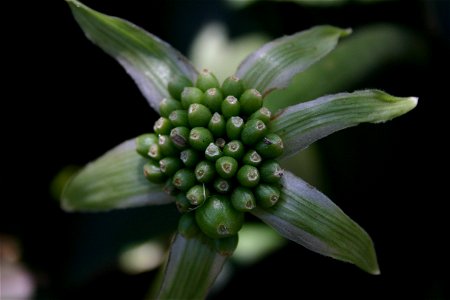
(77, 103)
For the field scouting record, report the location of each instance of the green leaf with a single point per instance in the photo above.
(307, 217)
(115, 180)
(372, 47)
(274, 64)
(151, 62)
(302, 124)
(192, 268)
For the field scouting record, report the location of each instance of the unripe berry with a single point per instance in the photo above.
(197, 194)
(230, 107)
(153, 173)
(226, 167)
(199, 115)
(248, 176)
(205, 171)
(143, 143)
(177, 85)
(191, 95)
(218, 219)
(234, 149)
(167, 106)
(213, 99)
(217, 125)
(251, 100)
(200, 138)
(253, 131)
(183, 179)
(243, 199)
(271, 146)
(162, 126)
(232, 86)
(234, 127)
(206, 80)
(267, 195)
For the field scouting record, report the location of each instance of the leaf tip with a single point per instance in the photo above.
(409, 103)
(375, 271)
(369, 263)
(66, 206)
(74, 2)
(346, 32)
(413, 101)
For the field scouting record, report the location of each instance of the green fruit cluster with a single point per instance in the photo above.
(213, 149)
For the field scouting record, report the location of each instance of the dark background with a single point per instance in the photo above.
(71, 102)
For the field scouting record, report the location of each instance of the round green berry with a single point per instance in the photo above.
(184, 179)
(248, 176)
(180, 137)
(143, 143)
(222, 186)
(213, 152)
(234, 127)
(262, 114)
(243, 199)
(179, 118)
(220, 142)
(213, 99)
(200, 138)
(206, 80)
(251, 100)
(271, 146)
(162, 126)
(189, 157)
(187, 226)
(153, 173)
(182, 203)
(199, 115)
(226, 167)
(232, 86)
(271, 171)
(226, 246)
(166, 146)
(217, 125)
(205, 171)
(169, 188)
(218, 219)
(191, 95)
(252, 158)
(253, 131)
(177, 85)
(169, 165)
(234, 149)
(230, 107)
(167, 106)
(197, 194)
(267, 195)
(155, 152)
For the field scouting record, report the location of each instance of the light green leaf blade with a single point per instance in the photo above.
(307, 217)
(372, 47)
(274, 64)
(302, 124)
(191, 269)
(151, 62)
(115, 180)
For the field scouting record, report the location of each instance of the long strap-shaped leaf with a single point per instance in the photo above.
(302, 124)
(115, 180)
(338, 71)
(151, 62)
(273, 65)
(192, 268)
(306, 216)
